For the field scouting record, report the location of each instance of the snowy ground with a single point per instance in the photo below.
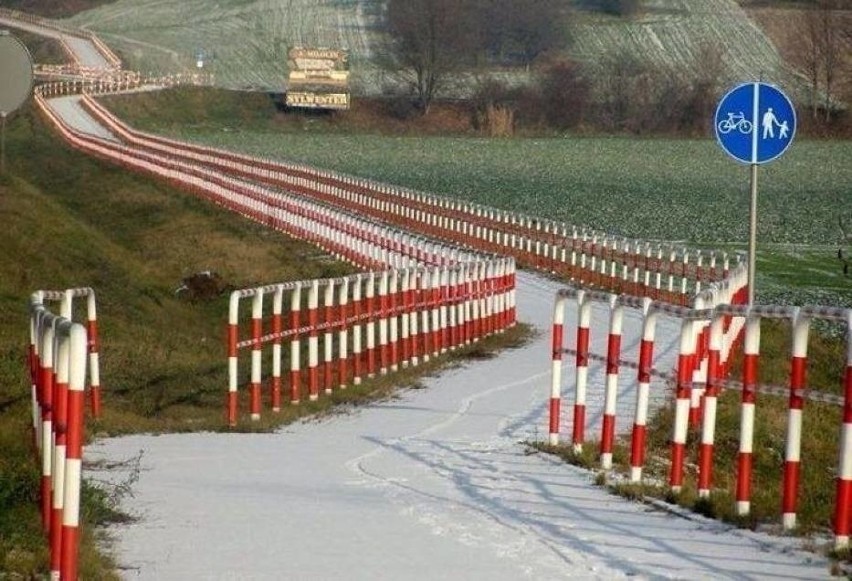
(434, 484)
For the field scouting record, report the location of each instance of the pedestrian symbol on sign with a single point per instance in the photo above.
(755, 123)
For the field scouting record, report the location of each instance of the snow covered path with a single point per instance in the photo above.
(434, 484)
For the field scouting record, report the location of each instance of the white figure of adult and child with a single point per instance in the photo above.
(769, 122)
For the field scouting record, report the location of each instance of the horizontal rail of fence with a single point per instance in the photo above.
(661, 271)
(368, 324)
(59, 350)
(710, 332)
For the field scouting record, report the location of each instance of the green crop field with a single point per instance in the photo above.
(656, 189)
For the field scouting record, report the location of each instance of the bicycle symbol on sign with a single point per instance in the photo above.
(735, 122)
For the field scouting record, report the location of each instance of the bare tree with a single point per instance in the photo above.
(526, 28)
(831, 47)
(427, 42)
(819, 52)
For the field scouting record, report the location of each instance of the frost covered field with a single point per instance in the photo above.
(673, 34)
(248, 39)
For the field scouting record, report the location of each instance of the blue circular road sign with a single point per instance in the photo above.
(755, 123)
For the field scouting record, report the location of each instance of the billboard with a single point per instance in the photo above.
(318, 99)
(318, 78)
(319, 66)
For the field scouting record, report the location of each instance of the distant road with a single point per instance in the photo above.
(84, 49)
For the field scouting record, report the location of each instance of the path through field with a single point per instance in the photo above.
(434, 484)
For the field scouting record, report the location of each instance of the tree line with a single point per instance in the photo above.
(433, 42)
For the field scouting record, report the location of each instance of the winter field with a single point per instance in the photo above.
(247, 40)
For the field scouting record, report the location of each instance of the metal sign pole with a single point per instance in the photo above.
(752, 234)
(2, 143)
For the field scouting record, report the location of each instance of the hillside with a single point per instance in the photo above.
(247, 41)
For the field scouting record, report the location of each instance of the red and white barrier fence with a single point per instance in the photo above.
(65, 298)
(368, 244)
(589, 258)
(58, 366)
(708, 335)
(367, 324)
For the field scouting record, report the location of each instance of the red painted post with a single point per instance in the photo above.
(94, 356)
(682, 394)
(256, 333)
(556, 366)
(584, 308)
(792, 453)
(708, 430)
(328, 347)
(394, 313)
(640, 421)
(370, 327)
(343, 334)
(843, 502)
(233, 332)
(277, 330)
(613, 354)
(313, 340)
(47, 340)
(295, 350)
(62, 361)
(384, 346)
(74, 463)
(747, 412)
(357, 330)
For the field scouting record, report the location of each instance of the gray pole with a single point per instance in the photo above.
(2, 143)
(752, 234)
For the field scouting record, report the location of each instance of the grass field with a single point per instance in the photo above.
(657, 188)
